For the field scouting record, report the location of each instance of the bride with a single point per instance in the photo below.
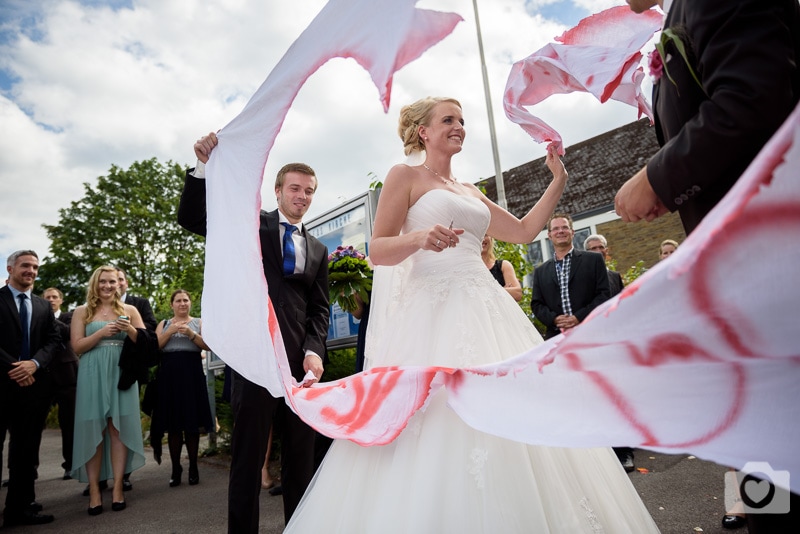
(440, 475)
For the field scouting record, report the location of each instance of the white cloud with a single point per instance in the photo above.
(102, 86)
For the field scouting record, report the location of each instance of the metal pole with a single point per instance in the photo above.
(498, 173)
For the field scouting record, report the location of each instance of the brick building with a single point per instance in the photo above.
(597, 169)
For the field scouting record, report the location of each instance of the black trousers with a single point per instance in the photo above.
(23, 414)
(63, 390)
(254, 411)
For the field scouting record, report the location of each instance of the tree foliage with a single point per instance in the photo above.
(128, 219)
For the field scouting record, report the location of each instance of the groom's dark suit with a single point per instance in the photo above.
(745, 54)
(23, 409)
(588, 288)
(301, 305)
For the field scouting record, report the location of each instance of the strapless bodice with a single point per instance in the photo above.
(440, 206)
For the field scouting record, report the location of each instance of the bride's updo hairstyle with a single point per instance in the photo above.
(414, 115)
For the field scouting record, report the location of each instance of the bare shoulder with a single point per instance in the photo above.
(130, 310)
(472, 190)
(400, 181)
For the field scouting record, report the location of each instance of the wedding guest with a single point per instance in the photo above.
(296, 271)
(502, 270)
(64, 372)
(440, 474)
(108, 427)
(28, 341)
(667, 247)
(182, 410)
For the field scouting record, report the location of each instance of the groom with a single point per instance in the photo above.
(736, 86)
(296, 270)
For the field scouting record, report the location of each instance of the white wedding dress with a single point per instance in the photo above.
(440, 475)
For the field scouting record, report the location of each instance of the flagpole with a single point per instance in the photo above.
(498, 173)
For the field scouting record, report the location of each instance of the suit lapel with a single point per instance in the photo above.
(272, 241)
(8, 300)
(313, 255)
(574, 264)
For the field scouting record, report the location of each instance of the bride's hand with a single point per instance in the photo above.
(441, 237)
(555, 164)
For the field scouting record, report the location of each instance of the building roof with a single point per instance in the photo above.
(597, 169)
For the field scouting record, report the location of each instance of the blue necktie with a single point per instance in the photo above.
(25, 354)
(288, 249)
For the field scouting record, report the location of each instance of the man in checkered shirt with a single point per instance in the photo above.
(569, 286)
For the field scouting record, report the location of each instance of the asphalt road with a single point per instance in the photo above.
(684, 495)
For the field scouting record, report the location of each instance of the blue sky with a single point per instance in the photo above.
(85, 85)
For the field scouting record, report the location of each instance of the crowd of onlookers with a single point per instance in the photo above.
(90, 362)
(77, 362)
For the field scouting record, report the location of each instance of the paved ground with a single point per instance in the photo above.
(684, 495)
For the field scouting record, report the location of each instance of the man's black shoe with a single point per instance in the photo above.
(27, 518)
(627, 462)
(731, 522)
(35, 507)
(66, 476)
(126, 485)
(276, 490)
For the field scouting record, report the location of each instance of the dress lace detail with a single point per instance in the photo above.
(594, 523)
(478, 459)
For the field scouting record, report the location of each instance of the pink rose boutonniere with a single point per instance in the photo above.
(655, 65)
(658, 58)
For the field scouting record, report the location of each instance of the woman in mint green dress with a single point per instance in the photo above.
(108, 428)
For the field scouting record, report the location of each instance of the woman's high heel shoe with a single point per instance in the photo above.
(194, 476)
(175, 479)
(118, 506)
(95, 510)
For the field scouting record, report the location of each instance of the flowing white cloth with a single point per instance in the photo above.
(600, 55)
(699, 355)
(440, 475)
(382, 36)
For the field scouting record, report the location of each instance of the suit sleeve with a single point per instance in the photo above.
(601, 291)
(538, 304)
(318, 309)
(192, 208)
(146, 311)
(50, 340)
(745, 58)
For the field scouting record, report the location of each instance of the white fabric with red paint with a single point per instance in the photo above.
(600, 55)
(699, 355)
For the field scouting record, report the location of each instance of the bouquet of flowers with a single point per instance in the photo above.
(349, 278)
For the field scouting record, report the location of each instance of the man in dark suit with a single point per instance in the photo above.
(598, 243)
(299, 295)
(64, 374)
(738, 82)
(141, 304)
(569, 286)
(744, 56)
(28, 340)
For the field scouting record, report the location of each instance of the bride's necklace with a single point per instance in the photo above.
(448, 181)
